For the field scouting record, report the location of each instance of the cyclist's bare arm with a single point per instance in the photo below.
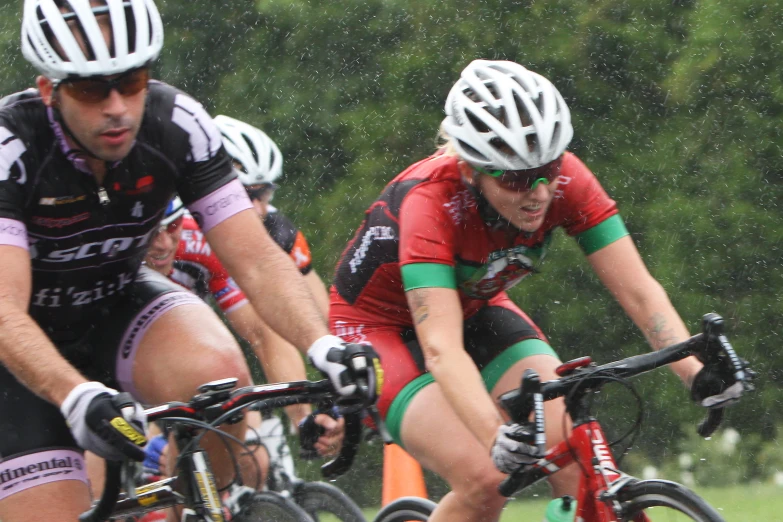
(24, 348)
(437, 317)
(623, 272)
(318, 289)
(279, 359)
(268, 277)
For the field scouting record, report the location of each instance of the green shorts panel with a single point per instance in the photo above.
(491, 374)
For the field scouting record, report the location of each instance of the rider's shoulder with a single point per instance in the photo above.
(23, 110)
(280, 228)
(28, 98)
(575, 170)
(166, 103)
(276, 218)
(436, 176)
(176, 123)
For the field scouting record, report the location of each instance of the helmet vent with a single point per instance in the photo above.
(130, 24)
(253, 150)
(471, 151)
(479, 125)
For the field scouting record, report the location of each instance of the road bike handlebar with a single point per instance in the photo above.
(710, 346)
(217, 404)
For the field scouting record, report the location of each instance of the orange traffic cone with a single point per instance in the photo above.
(402, 475)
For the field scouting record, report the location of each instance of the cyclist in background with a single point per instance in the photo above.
(259, 164)
(88, 162)
(181, 252)
(425, 278)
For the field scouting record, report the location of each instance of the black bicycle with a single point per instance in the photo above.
(319, 499)
(194, 486)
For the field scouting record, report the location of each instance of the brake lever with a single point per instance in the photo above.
(380, 426)
(713, 327)
(519, 404)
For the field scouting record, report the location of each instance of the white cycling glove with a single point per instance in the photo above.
(513, 448)
(100, 426)
(327, 354)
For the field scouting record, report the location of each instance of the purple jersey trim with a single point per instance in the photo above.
(223, 203)
(13, 232)
(25, 472)
(138, 327)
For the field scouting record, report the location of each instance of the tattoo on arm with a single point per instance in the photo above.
(419, 310)
(659, 333)
(421, 314)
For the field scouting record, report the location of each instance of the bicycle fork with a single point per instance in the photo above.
(202, 492)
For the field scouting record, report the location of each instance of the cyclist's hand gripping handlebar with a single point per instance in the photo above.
(724, 378)
(519, 404)
(364, 368)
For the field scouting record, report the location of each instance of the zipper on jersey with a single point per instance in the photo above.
(103, 197)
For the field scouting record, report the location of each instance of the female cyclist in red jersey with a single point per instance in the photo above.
(425, 278)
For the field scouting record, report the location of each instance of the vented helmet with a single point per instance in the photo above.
(259, 156)
(501, 116)
(50, 44)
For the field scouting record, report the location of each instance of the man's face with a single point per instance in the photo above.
(163, 247)
(108, 127)
(104, 116)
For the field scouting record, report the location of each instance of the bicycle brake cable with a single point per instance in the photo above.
(635, 428)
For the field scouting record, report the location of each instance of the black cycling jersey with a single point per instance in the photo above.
(87, 242)
(290, 239)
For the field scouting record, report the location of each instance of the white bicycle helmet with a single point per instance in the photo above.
(501, 116)
(259, 156)
(48, 40)
(174, 210)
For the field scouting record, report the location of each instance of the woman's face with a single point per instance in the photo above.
(525, 209)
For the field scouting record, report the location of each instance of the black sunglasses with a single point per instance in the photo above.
(97, 89)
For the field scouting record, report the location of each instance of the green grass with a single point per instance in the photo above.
(758, 502)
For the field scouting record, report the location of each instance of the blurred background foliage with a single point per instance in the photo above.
(676, 106)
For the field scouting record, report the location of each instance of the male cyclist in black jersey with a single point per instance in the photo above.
(88, 162)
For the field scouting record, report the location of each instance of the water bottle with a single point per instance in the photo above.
(561, 510)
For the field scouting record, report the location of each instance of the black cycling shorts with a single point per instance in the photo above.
(36, 445)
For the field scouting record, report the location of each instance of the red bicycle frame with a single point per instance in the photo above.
(600, 479)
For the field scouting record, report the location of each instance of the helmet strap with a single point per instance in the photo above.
(81, 149)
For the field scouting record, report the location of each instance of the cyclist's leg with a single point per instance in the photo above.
(504, 324)
(168, 342)
(433, 434)
(42, 472)
(420, 418)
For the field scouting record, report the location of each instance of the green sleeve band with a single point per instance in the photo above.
(601, 235)
(428, 275)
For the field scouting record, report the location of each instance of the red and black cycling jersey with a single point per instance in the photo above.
(426, 230)
(87, 241)
(197, 268)
(290, 239)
